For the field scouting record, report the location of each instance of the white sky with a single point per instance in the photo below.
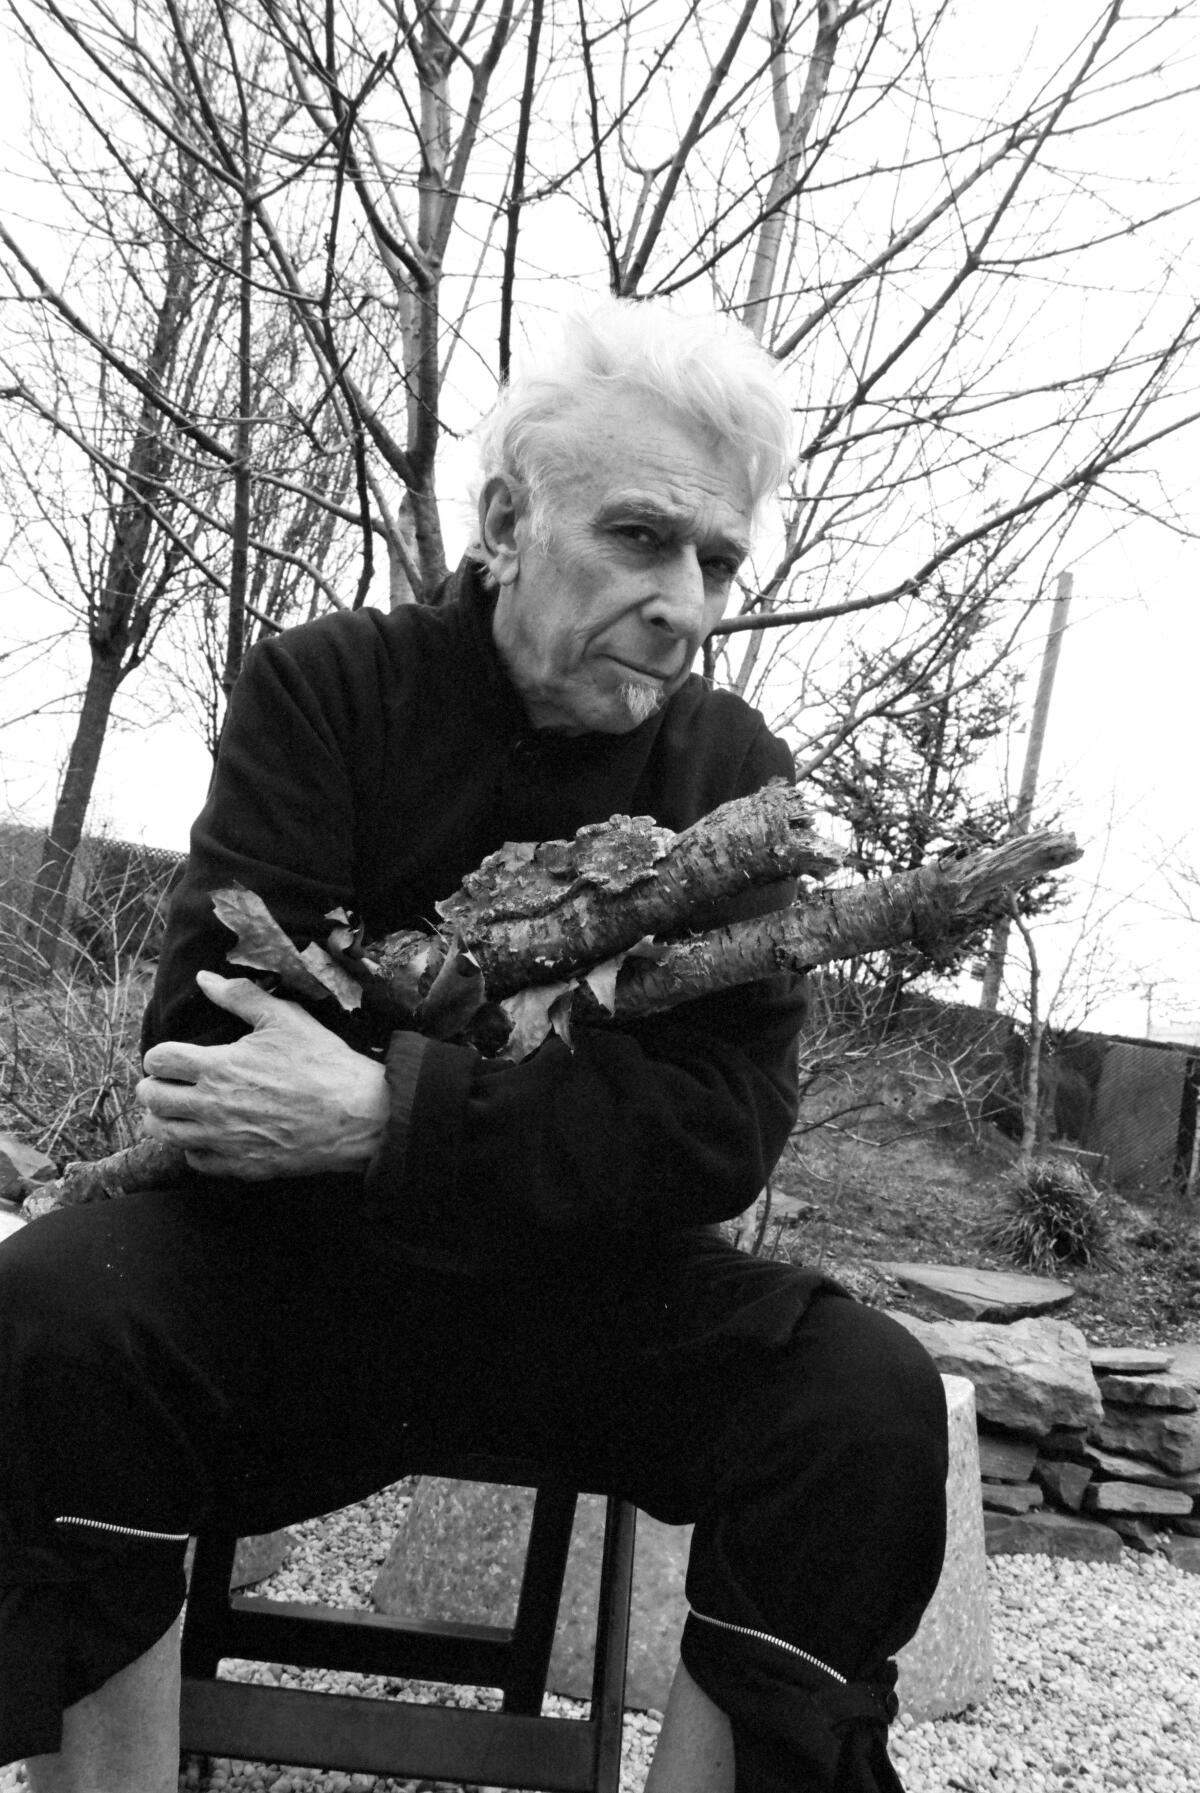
(1121, 750)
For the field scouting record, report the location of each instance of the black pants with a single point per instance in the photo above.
(246, 1358)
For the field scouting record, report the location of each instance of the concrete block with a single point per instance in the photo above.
(460, 1553)
(657, 1608)
(948, 1665)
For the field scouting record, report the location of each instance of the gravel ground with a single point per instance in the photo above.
(1097, 1679)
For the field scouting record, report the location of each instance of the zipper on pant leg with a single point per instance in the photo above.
(122, 1531)
(764, 1637)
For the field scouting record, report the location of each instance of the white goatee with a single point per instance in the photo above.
(640, 700)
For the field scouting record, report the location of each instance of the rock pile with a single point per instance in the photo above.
(1082, 1452)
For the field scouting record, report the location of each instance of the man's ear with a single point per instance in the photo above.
(499, 514)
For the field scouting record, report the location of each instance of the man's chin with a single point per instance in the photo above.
(640, 701)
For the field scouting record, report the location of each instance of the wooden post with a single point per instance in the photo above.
(998, 952)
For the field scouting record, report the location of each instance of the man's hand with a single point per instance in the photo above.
(289, 1099)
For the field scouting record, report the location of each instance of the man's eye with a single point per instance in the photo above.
(640, 535)
(725, 571)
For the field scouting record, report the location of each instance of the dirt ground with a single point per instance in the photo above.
(848, 1198)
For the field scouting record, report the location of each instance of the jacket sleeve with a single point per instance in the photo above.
(290, 839)
(675, 1121)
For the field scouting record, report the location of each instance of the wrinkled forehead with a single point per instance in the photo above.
(637, 453)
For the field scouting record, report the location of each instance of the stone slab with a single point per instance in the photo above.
(1051, 1534)
(962, 1292)
(1139, 1534)
(1148, 1391)
(1169, 1439)
(1006, 1459)
(1031, 1376)
(1129, 1360)
(1113, 1466)
(1064, 1482)
(949, 1663)
(1012, 1497)
(1184, 1553)
(1185, 1362)
(1136, 1497)
(259, 1556)
(1068, 1442)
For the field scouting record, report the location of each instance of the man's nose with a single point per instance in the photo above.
(677, 601)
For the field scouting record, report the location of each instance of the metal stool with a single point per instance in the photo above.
(514, 1747)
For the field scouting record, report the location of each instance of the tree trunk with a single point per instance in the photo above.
(48, 904)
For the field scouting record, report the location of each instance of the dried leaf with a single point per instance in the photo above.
(329, 974)
(262, 943)
(601, 980)
(455, 996)
(529, 1013)
(560, 1012)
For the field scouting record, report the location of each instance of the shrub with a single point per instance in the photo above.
(69, 1059)
(1053, 1217)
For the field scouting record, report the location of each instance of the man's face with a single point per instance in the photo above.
(598, 627)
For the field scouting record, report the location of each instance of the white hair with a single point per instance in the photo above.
(709, 372)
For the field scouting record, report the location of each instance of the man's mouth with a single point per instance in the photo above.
(646, 675)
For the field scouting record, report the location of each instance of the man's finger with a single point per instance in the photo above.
(176, 1061)
(167, 1101)
(240, 997)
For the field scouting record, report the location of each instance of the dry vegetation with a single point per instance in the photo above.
(879, 1187)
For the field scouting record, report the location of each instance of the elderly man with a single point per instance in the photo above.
(389, 1242)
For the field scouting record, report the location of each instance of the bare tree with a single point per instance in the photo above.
(124, 564)
(117, 461)
(926, 247)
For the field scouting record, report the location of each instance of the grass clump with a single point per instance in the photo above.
(69, 1028)
(1053, 1218)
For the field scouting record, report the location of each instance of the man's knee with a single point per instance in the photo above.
(868, 1375)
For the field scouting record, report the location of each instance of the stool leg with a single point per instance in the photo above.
(208, 1604)
(612, 1641)
(541, 1591)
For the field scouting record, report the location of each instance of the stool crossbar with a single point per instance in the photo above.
(513, 1747)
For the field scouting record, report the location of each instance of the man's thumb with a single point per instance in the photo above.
(239, 995)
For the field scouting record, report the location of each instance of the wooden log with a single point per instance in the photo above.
(831, 925)
(842, 924)
(535, 914)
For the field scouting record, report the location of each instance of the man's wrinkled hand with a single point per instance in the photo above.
(288, 1099)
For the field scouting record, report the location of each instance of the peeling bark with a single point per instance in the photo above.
(536, 915)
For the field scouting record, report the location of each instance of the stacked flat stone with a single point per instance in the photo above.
(1082, 1452)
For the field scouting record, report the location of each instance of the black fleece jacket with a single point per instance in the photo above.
(368, 762)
